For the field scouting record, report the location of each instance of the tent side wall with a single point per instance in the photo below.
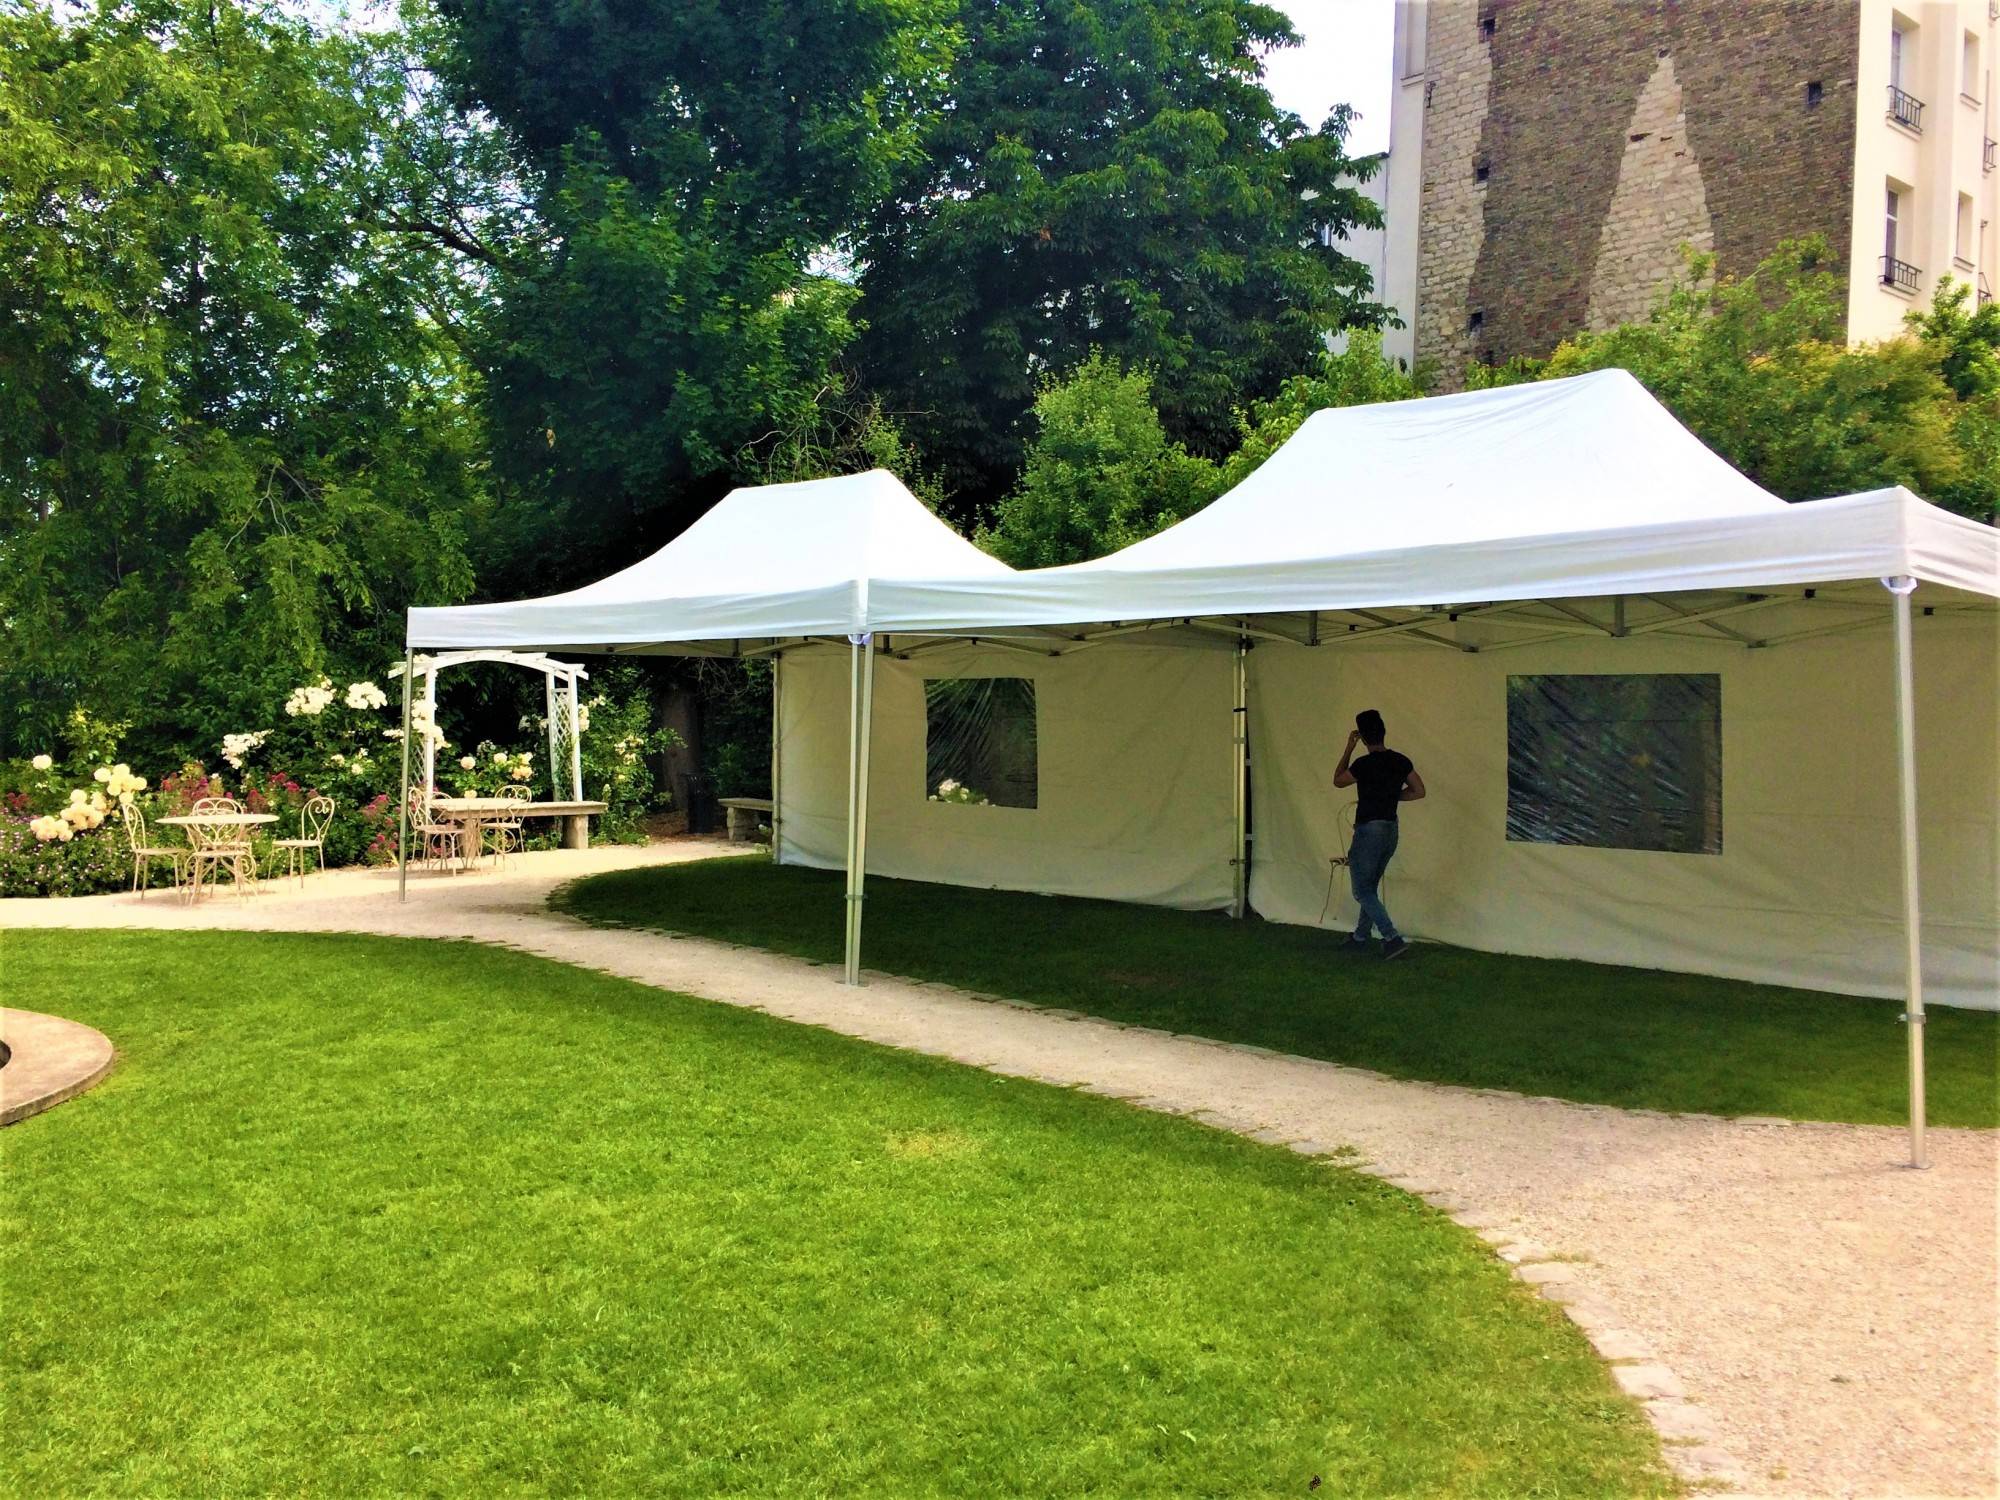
(1806, 889)
(1134, 775)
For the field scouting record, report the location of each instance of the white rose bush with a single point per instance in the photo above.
(61, 831)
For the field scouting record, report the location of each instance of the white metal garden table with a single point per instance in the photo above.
(214, 821)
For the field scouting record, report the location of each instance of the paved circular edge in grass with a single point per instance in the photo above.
(51, 1060)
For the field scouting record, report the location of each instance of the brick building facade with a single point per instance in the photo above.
(1570, 148)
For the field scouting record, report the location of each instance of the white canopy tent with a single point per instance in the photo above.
(768, 562)
(1577, 488)
(769, 566)
(1466, 525)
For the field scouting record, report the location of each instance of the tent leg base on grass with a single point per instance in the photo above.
(1901, 588)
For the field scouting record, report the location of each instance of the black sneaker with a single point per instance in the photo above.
(1355, 944)
(1394, 947)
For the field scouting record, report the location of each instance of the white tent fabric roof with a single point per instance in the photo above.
(1562, 489)
(1572, 488)
(767, 561)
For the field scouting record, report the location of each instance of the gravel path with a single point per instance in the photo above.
(1833, 1315)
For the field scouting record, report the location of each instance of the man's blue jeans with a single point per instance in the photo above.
(1367, 857)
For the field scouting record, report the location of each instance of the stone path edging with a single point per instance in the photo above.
(53, 1060)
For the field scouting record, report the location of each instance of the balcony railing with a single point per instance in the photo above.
(1899, 274)
(1906, 109)
(1992, 157)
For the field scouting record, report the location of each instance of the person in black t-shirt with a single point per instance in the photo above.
(1386, 777)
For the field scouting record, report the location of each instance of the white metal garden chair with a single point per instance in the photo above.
(313, 820)
(438, 837)
(143, 852)
(502, 838)
(219, 847)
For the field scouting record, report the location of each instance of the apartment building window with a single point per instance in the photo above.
(1969, 85)
(1905, 108)
(1963, 239)
(1896, 272)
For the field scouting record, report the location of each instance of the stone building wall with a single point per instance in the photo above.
(1610, 132)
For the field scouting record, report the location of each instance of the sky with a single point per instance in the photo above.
(1346, 59)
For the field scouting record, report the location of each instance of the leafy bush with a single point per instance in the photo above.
(81, 866)
(1100, 472)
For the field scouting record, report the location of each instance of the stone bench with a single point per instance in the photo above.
(743, 816)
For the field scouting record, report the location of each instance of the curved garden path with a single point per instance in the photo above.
(1833, 1318)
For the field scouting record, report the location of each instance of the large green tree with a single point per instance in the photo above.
(686, 163)
(1108, 175)
(234, 434)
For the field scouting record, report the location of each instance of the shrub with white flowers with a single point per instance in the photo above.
(362, 696)
(118, 781)
(311, 700)
(236, 746)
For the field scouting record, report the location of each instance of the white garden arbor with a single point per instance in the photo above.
(563, 712)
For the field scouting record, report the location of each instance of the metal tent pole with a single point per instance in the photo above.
(864, 659)
(403, 804)
(777, 758)
(1240, 720)
(1906, 778)
(851, 958)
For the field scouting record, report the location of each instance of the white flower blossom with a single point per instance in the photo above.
(521, 773)
(120, 783)
(311, 701)
(365, 695)
(44, 762)
(236, 746)
(102, 773)
(467, 762)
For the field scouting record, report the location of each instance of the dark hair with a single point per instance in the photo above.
(1369, 722)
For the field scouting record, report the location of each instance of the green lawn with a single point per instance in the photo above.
(1635, 1037)
(359, 1216)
